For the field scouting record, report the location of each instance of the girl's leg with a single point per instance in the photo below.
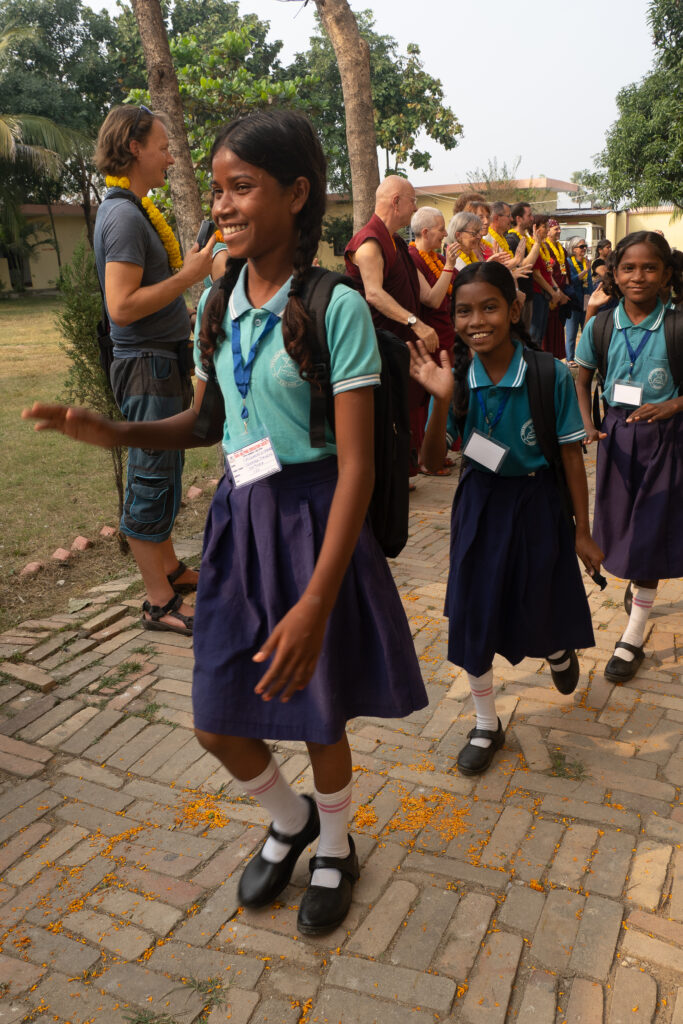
(488, 734)
(628, 653)
(334, 869)
(570, 332)
(295, 822)
(333, 784)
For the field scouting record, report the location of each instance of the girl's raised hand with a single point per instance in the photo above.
(434, 378)
(75, 422)
(295, 646)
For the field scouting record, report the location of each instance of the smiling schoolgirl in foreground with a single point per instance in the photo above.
(639, 482)
(514, 586)
(298, 624)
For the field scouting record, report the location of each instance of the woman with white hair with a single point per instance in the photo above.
(465, 231)
(436, 272)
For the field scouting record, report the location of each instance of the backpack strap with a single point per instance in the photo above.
(603, 325)
(540, 383)
(673, 334)
(316, 295)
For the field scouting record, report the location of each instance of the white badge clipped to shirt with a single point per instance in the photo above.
(625, 392)
(254, 459)
(485, 450)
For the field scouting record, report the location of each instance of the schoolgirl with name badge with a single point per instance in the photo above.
(514, 585)
(639, 484)
(298, 624)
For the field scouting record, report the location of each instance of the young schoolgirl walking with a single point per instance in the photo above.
(298, 624)
(514, 586)
(638, 517)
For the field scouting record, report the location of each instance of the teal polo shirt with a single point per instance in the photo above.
(652, 366)
(516, 427)
(278, 398)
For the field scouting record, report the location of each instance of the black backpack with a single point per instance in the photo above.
(388, 512)
(603, 327)
(540, 383)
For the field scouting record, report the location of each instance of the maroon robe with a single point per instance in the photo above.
(399, 280)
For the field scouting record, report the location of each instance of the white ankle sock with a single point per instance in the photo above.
(562, 665)
(643, 599)
(484, 705)
(334, 810)
(289, 810)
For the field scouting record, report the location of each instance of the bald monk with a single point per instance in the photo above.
(379, 260)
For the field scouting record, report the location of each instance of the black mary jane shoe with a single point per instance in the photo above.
(473, 760)
(628, 598)
(617, 669)
(262, 881)
(322, 909)
(567, 679)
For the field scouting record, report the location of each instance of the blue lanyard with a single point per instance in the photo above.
(241, 369)
(634, 355)
(491, 424)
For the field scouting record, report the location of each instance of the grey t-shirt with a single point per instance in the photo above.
(124, 235)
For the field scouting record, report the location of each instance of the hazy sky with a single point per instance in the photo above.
(532, 79)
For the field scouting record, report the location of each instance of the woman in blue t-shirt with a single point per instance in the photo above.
(298, 624)
(514, 586)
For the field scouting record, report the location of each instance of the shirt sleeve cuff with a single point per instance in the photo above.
(586, 365)
(200, 373)
(578, 435)
(368, 380)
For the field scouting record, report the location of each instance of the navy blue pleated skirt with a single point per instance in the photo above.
(638, 519)
(260, 547)
(515, 585)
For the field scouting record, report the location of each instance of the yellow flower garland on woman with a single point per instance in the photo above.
(435, 264)
(559, 254)
(156, 219)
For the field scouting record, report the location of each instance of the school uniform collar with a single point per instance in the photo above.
(650, 323)
(477, 376)
(240, 304)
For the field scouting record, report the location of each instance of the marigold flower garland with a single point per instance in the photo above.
(545, 256)
(527, 238)
(501, 241)
(559, 254)
(435, 264)
(584, 266)
(157, 220)
(472, 258)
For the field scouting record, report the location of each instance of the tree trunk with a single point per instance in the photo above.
(163, 89)
(353, 59)
(54, 235)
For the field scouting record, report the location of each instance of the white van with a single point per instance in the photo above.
(591, 233)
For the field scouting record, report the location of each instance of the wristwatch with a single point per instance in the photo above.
(411, 321)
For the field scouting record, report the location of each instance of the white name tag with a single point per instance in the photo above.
(485, 450)
(255, 461)
(625, 392)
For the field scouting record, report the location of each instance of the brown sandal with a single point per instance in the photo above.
(180, 588)
(157, 612)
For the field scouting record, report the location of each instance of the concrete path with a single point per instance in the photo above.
(549, 890)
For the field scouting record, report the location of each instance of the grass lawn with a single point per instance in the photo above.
(52, 488)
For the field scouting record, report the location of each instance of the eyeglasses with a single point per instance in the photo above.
(580, 246)
(142, 109)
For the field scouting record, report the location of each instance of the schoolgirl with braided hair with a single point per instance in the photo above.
(514, 586)
(298, 624)
(638, 517)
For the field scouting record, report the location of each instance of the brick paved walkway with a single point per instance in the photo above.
(550, 890)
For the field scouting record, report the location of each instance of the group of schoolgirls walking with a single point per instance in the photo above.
(298, 625)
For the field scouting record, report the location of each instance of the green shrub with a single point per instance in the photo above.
(86, 383)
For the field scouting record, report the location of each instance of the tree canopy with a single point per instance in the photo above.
(408, 102)
(642, 162)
